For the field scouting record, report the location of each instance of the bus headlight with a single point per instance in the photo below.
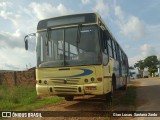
(45, 82)
(40, 81)
(85, 80)
(92, 79)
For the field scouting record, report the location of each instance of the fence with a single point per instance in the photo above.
(18, 78)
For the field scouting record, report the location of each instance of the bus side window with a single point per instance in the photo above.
(114, 50)
(120, 54)
(110, 47)
(105, 38)
(120, 61)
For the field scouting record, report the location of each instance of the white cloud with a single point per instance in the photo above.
(119, 13)
(86, 1)
(16, 58)
(102, 8)
(5, 14)
(4, 5)
(46, 10)
(144, 51)
(24, 21)
(134, 28)
(15, 40)
(133, 60)
(20, 22)
(130, 26)
(148, 50)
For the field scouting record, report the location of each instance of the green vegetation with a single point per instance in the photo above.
(150, 62)
(23, 99)
(128, 99)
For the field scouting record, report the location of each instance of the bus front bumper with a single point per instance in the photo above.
(93, 89)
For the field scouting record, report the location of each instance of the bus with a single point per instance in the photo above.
(78, 55)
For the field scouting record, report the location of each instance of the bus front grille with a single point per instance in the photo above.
(65, 89)
(59, 81)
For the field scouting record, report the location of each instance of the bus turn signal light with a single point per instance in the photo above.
(99, 79)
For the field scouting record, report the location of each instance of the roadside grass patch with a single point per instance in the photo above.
(126, 100)
(130, 97)
(23, 98)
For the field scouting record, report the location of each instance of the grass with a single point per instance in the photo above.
(23, 99)
(124, 101)
(130, 96)
(128, 99)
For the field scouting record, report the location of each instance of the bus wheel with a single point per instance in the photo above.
(125, 86)
(69, 98)
(109, 96)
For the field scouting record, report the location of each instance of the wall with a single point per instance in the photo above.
(18, 78)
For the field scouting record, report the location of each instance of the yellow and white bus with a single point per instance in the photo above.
(78, 55)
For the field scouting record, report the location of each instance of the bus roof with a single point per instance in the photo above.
(68, 19)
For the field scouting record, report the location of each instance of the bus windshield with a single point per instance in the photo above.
(70, 46)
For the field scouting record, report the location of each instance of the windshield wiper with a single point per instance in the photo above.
(78, 36)
(47, 39)
(47, 36)
(79, 33)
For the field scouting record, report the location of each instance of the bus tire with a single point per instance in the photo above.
(69, 98)
(124, 88)
(109, 96)
(114, 82)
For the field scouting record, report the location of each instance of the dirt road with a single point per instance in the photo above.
(79, 106)
(148, 96)
(148, 99)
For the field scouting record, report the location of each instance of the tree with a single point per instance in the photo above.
(151, 63)
(140, 65)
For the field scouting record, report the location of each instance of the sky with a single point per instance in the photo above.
(134, 23)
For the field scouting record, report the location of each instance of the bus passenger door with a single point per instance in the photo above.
(106, 62)
(120, 65)
(119, 60)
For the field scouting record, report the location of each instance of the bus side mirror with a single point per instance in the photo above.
(26, 44)
(26, 39)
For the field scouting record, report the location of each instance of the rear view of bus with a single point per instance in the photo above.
(71, 57)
